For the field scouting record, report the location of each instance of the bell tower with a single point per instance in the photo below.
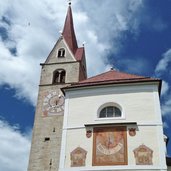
(65, 65)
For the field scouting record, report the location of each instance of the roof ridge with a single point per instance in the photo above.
(117, 72)
(131, 79)
(96, 75)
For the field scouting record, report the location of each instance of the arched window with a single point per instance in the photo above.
(61, 53)
(56, 77)
(62, 77)
(110, 111)
(59, 76)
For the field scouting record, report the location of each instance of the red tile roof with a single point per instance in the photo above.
(113, 77)
(79, 53)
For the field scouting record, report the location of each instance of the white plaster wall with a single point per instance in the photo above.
(138, 104)
(77, 138)
(146, 135)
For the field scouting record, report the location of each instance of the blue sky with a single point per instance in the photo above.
(132, 36)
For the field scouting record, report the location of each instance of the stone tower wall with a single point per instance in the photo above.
(47, 131)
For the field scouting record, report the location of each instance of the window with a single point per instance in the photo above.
(47, 139)
(62, 77)
(61, 53)
(59, 76)
(110, 111)
(56, 77)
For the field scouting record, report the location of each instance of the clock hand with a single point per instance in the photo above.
(56, 102)
(108, 142)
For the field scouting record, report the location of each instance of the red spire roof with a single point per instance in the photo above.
(79, 53)
(69, 33)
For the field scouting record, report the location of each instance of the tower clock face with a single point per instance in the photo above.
(53, 104)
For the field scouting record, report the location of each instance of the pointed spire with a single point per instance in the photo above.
(68, 31)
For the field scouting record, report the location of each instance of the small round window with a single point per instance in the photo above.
(110, 111)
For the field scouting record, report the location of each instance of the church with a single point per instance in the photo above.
(111, 121)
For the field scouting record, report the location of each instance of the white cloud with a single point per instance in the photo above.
(165, 88)
(102, 32)
(158, 24)
(14, 148)
(164, 62)
(165, 125)
(135, 66)
(166, 109)
(161, 68)
(18, 73)
(34, 27)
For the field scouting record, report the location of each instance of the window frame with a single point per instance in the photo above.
(110, 111)
(108, 104)
(61, 76)
(61, 50)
